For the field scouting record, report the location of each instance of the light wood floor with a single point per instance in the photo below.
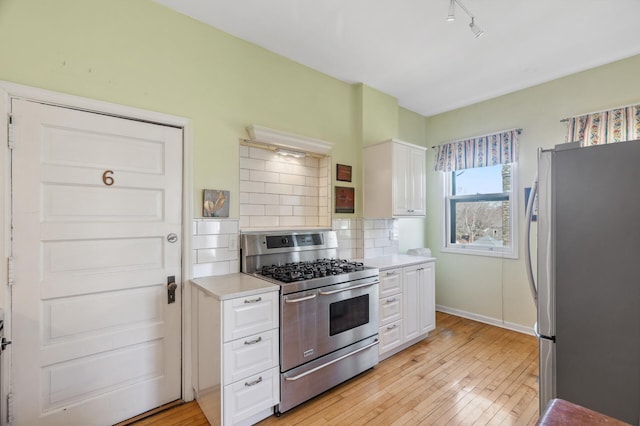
(465, 373)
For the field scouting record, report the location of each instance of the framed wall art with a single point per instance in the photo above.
(215, 203)
(343, 173)
(345, 199)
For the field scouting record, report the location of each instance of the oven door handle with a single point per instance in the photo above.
(301, 299)
(327, 293)
(313, 370)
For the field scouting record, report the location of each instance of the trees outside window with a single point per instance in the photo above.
(479, 211)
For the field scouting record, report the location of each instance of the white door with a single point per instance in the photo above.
(94, 199)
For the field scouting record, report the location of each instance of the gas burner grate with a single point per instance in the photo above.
(300, 271)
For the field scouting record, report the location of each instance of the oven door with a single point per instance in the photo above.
(316, 322)
(298, 322)
(348, 313)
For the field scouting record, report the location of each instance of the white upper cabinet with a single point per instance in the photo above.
(394, 180)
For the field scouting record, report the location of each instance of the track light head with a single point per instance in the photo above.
(475, 29)
(452, 11)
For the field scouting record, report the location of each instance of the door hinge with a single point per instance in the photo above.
(10, 133)
(10, 407)
(10, 270)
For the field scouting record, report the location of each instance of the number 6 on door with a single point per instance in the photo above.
(107, 179)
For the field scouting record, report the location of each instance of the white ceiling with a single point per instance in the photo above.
(407, 49)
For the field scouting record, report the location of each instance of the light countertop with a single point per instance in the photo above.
(395, 261)
(232, 286)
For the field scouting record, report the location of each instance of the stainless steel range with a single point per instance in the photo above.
(328, 309)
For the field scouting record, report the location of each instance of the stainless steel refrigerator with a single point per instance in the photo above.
(588, 277)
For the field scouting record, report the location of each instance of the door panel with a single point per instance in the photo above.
(94, 198)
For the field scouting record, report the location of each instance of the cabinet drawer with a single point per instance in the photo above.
(250, 315)
(250, 355)
(390, 309)
(390, 282)
(390, 336)
(251, 395)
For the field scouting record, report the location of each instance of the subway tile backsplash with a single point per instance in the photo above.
(282, 192)
(215, 246)
(366, 238)
(285, 192)
(216, 249)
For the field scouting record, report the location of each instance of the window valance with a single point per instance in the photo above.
(480, 151)
(615, 125)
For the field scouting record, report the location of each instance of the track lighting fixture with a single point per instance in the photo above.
(452, 11)
(475, 29)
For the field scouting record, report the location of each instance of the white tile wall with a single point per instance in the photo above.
(216, 241)
(380, 237)
(283, 192)
(349, 232)
(215, 247)
(366, 238)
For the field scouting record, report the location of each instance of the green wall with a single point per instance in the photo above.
(493, 287)
(141, 54)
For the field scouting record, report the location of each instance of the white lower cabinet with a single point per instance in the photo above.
(390, 336)
(251, 396)
(236, 356)
(407, 309)
(250, 355)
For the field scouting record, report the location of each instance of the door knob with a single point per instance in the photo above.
(171, 289)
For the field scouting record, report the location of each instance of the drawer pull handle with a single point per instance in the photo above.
(392, 273)
(255, 382)
(391, 327)
(320, 367)
(391, 300)
(259, 299)
(253, 342)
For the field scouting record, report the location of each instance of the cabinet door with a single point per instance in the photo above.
(390, 336)
(250, 355)
(249, 315)
(410, 294)
(250, 396)
(401, 180)
(390, 282)
(427, 297)
(417, 181)
(390, 309)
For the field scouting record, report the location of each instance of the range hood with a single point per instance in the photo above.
(291, 141)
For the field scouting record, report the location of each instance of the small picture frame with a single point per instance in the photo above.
(343, 173)
(345, 199)
(215, 203)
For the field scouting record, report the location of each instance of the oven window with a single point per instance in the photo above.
(348, 314)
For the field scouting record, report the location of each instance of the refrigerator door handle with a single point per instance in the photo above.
(540, 336)
(527, 243)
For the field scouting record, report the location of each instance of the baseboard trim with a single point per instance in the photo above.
(487, 320)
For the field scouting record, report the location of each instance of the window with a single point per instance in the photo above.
(480, 211)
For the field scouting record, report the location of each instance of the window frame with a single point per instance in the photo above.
(511, 251)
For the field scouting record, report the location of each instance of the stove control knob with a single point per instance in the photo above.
(285, 241)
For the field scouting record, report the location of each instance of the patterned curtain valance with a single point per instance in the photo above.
(481, 151)
(616, 125)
